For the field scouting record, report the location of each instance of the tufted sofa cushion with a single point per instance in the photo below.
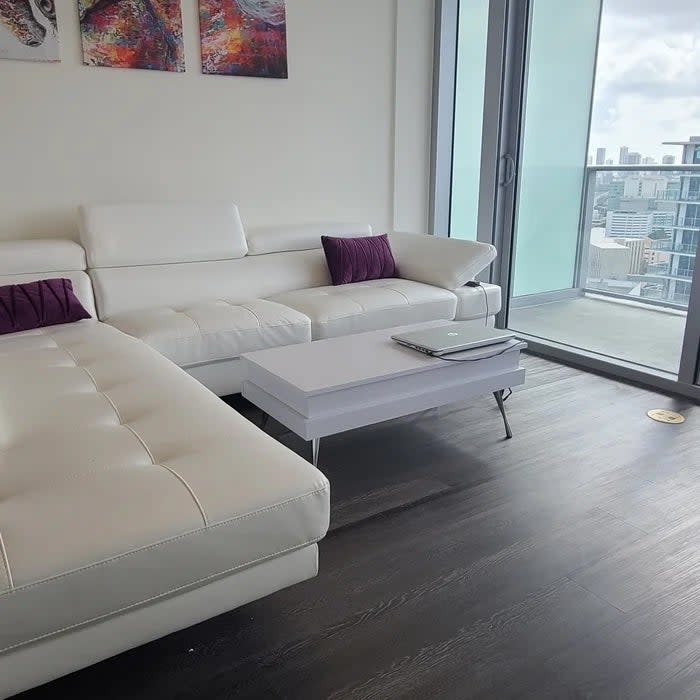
(368, 306)
(146, 484)
(215, 330)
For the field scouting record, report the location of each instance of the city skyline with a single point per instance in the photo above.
(648, 77)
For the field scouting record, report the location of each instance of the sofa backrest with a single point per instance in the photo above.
(166, 254)
(120, 235)
(32, 260)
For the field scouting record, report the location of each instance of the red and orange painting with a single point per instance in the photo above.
(244, 37)
(132, 34)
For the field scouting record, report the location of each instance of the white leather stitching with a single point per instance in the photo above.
(238, 331)
(190, 489)
(186, 315)
(398, 291)
(133, 431)
(252, 313)
(155, 545)
(6, 563)
(142, 441)
(192, 584)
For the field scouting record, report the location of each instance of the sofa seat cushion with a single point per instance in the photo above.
(369, 306)
(124, 481)
(215, 330)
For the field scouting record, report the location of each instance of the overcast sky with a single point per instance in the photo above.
(648, 77)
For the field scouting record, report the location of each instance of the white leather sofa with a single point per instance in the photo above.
(192, 283)
(133, 502)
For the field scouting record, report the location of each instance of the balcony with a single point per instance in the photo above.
(671, 247)
(644, 335)
(675, 196)
(634, 307)
(665, 270)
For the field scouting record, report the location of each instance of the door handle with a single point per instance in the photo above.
(509, 168)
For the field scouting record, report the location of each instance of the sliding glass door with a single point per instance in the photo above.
(606, 228)
(581, 165)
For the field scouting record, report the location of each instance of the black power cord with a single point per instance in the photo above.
(476, 283)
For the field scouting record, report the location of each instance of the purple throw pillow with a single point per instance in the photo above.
(358, 259)
(37, 304)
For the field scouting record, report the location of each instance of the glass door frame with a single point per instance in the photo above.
(504, 99)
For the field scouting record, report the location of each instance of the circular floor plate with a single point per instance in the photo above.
(661, 415)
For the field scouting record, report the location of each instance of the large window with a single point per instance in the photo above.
(596, 198)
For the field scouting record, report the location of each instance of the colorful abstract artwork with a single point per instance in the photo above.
(28, 30)
(244, 37)
(132, 34)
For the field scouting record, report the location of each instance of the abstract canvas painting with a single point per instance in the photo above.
(244, 37)
(132, 34)
(28, 30)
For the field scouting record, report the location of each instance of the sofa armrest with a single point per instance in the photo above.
(442, 262)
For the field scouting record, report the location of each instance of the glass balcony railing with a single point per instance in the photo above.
(673, 247)
(688, 222)
(676, 196)
(649, 270)
(619, 283)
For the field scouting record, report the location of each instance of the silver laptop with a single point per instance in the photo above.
(451, 338)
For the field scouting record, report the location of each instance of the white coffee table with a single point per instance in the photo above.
(329, 386)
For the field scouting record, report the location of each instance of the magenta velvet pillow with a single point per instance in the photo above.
(37, 304)
(358, 259)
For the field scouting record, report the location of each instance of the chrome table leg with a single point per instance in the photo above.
(502, 408)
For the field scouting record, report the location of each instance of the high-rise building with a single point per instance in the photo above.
(624, 151)
(600, 156)
(634, 158)
(668, 160)
(681, 245)
(609, 161)
(648, 160)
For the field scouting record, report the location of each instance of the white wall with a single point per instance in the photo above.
(321, 145)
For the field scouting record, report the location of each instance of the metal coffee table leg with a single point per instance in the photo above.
(502, 407)
(315, 447)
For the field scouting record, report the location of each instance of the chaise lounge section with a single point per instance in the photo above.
(134, 501)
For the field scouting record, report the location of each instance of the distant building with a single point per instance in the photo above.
(649, 187)
(635, 224)
(638, 254)
(634, 158)
(609, 161)
(648, 160)
(590, 160)
(600, 156)
(624, 151)
(608, 260)
(669, 160)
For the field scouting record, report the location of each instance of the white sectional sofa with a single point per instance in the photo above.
(191, 282)
(134, 501)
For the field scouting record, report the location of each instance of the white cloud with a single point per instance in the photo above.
(648, 75)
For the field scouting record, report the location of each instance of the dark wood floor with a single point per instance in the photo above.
(564, 563)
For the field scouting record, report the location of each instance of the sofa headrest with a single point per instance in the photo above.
(32, 260)
(280, 239)
(39, 256)
(123, 235)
